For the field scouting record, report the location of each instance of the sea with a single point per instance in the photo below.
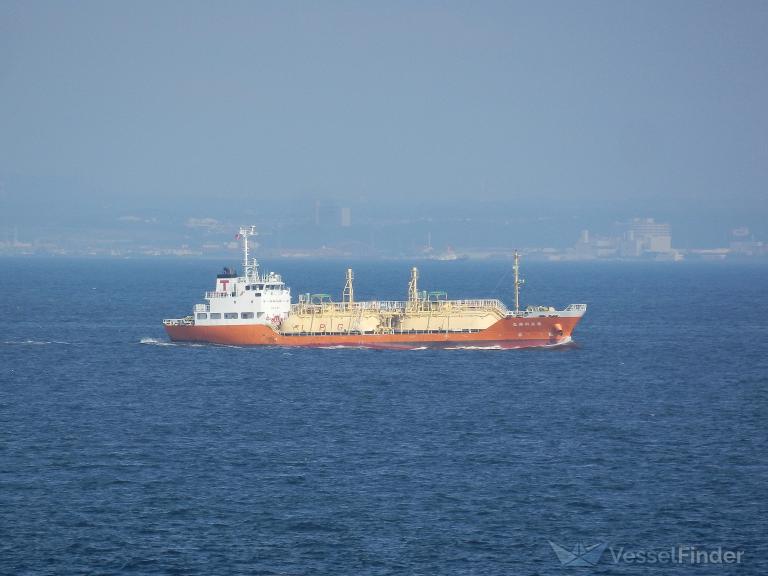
(640, 448)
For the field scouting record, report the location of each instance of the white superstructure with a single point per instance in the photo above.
(252, 298)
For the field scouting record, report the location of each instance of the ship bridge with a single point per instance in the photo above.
(250, 298)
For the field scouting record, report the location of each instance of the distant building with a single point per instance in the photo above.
(326, 214)
(641, 236)
(744, 244)
(590, 246)
(346, 217)
(638, 238)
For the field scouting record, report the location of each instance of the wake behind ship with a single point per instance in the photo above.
(255, 309)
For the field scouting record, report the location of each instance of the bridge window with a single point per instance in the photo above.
(230, 315)
(246, 315)
(202, 316)
(215, 315)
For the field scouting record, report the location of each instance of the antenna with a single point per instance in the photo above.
(244, 233)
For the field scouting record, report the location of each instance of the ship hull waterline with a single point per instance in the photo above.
(506, 333)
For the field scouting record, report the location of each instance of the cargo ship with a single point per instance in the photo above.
(255, 309)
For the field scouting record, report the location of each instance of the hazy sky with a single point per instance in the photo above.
(608, 108)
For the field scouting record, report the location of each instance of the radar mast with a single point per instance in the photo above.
(252, 268)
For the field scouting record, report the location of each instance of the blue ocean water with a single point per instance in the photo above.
(121, 453)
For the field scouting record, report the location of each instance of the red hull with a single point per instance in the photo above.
(512, 332)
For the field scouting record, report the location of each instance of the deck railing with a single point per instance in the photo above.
(401, 306)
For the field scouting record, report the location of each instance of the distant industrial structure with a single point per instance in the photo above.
(331, 215)
(336, 236)
(638, 238)
(743, 243)
(645, 236)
